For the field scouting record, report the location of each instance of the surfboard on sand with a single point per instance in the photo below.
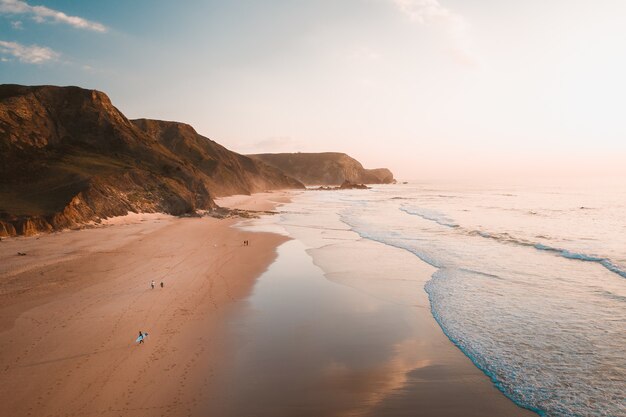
(140, 338)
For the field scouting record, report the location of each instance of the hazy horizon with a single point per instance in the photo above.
(430, 89)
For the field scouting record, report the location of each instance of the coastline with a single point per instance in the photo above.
(72, 307)
(397, 358)
(427, 371)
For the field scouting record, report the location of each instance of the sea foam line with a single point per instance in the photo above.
(605, 262)
(507, 238)
(431, 215)
(430, 261)
(477, 359)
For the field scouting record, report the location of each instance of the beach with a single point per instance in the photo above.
(380, 208)
(282, 327)
(340, 325)
(72, 307)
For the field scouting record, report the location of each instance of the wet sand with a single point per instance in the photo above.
(73, 306)
(341, 326)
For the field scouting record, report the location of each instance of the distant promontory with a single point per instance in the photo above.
(325, 168)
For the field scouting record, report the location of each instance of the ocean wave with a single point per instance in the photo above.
(492, 370)
(605, 262)
(385, 241)
(431, 215)
(507, 238)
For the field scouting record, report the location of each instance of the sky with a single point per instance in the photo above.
(428, 88)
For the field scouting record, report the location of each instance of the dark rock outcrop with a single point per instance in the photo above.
(327, 168)
(346, 185)
(68, 156)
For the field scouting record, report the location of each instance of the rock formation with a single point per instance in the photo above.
(68, 156)
(327, 168)
(346, 185)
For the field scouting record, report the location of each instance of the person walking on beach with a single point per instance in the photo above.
(140, 337)
(152, 284)
(161, 284)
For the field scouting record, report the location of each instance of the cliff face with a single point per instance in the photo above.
(226, 172)
(68, 156)
(327, 168)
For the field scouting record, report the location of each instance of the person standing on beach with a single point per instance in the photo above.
(152, 284)
(161, 284)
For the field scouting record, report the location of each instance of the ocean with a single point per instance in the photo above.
(529, 282)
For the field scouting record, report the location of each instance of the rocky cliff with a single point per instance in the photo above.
(68, 156)
(327, 168)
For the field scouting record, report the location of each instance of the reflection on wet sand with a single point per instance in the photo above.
(356, 344)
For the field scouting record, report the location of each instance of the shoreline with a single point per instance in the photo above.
(411, 365)
(69, 318)
(73, 316)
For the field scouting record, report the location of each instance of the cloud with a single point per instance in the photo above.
(42, 14)
(455, 25)
(422, 11)
(17, 24)
(30, 54)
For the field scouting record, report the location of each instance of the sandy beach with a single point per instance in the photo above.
(220, 341)
(72, 307)
(369, 208)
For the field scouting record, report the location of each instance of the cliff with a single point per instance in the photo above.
(225, 172)
(68, 156)
(328, 168)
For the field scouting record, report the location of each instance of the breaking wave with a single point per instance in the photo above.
(507, 238)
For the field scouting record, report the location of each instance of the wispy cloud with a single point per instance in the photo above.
(455, 25)
(17, 24)
(42, 14)
(31, 54)
(423, 11)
